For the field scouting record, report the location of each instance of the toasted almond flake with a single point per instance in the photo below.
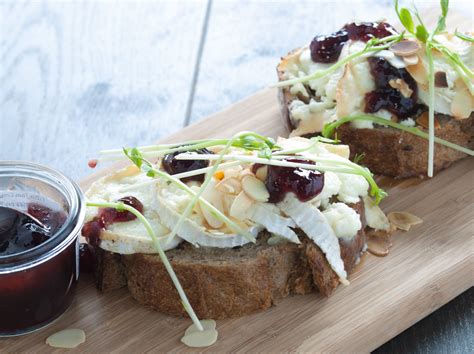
(401, 86)
(379, 246)
(240, 206)
(219, 175)
(338, 149)
(200, 339)
(67, 338)
(463, 102)
(424, 122)
(229, 186)
(233, 172)
(206, 324)
(419, 72)
(212, 195)
(255, 188)
(405, 48)
(403, 220)
(411, 60)
(261, 173)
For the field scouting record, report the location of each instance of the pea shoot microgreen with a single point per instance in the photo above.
(464, 36)
(138, 160)
(330, 129)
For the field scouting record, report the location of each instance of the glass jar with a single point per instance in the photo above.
(37, 284)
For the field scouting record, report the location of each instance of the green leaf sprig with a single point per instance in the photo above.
(138, 160)
(330, 129)
(373, 45)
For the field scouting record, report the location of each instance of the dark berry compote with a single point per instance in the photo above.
(389, 93)
(19, 232)
(41, 213)
(105, 217)
(174, 166)
(305, 184)
(326, 49)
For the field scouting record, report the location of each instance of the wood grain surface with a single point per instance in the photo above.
(427, 267)
(81, 76)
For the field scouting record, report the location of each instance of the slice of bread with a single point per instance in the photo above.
(224, 283)
(389, 151)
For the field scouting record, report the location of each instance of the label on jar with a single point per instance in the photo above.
(19, 200)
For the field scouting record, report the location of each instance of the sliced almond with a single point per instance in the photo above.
(403, 220)
(411, 60)
(405, 48)
(229, 186)
(214, 197)
(240, 206)
(401, 86)
(255, 188)
(463, 102)
(200, 339)
(338, 149)
(246, 172)
(423, 120)
(233, 172)
(379, 246)
(67, 338)
(261, 173)
(419, 72)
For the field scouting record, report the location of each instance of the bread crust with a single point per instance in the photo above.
(226, 283)
(389, 151)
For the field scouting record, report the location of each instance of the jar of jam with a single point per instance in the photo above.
(41, 214)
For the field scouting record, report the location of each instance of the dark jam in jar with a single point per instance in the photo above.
(174, 166)
(41, 213)
(326, 49)
(305, 184)
(19, 232)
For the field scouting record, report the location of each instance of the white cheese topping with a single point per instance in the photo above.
(343, 219)
(342, 93)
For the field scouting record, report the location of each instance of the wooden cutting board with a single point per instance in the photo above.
(427, 267)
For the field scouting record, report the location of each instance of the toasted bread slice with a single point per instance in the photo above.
(389, 151)
(224, 283)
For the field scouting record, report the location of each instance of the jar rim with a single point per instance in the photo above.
(68, 231)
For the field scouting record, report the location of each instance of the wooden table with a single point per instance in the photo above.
(77, 77)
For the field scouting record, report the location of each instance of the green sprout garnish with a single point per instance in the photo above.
(330, 128)
(463, 36)
(323, 164)
(428, 38)
(156, 243)
(146, 166)
(373, 45)
(358, 158)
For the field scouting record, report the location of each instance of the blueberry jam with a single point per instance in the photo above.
(387, 97)
(107, 216)
(19, 232)
(174, 166)
(326, 49)
(305, 184)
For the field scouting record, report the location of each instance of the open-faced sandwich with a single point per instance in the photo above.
(244, 222)
(398, 92)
